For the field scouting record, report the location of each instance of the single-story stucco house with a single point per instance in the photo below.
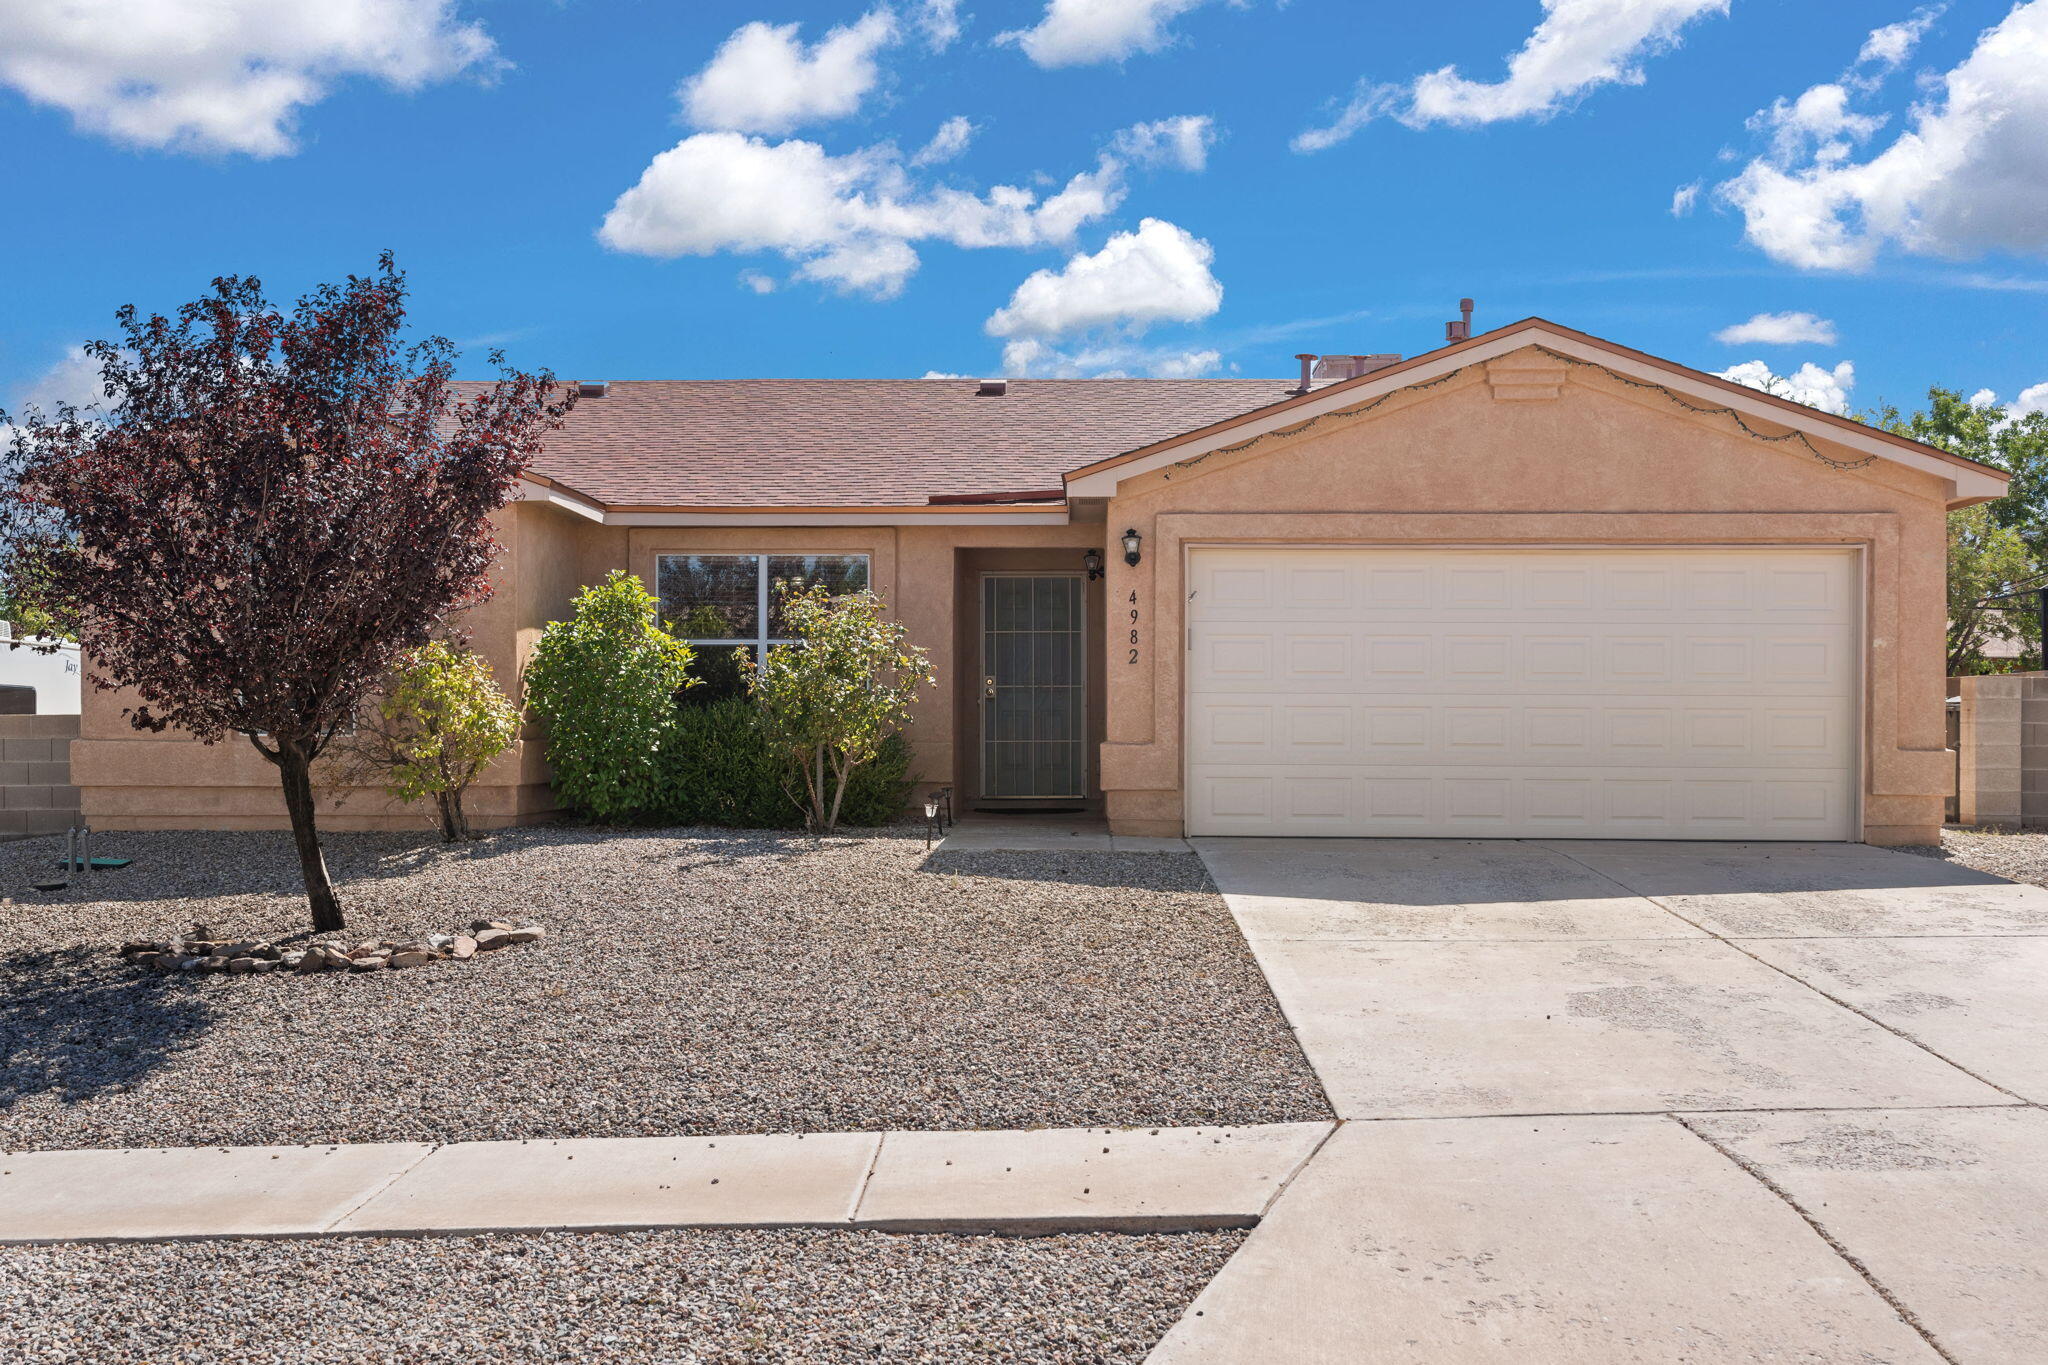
(1531, 583)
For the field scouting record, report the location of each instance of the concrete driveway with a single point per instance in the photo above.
(1618, 1101)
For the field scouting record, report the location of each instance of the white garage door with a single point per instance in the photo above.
(1652, 694)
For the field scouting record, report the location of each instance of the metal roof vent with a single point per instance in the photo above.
(1352, 366)
(992, 388)
(593, 388)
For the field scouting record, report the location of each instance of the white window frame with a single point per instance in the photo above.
(761, 641)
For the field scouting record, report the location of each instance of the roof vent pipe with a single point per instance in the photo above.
(1462, 329)
(593, 388)
(992, 388)
(1308, 365)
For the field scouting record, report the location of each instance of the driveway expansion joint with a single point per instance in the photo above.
(1849, 1258)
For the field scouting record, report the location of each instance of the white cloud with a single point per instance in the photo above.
(1030, 358)
(222, 75)
(1819, 122)
(1983, 398)
(73, 379)
(1888, 47)
(766, 80)
(849, 221)
(1827, 390)
(1077, 32)
(951, 140)
(758, 282)
(2034, 399)
(1159, 273)
(939, 22)
(1779, 329)
(1969, 176)
(1182, 142)
(1579, 46)
(1684, 198)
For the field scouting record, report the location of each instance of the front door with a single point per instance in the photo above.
(1033, 718)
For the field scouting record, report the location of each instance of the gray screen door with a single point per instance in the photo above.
(1033, 731)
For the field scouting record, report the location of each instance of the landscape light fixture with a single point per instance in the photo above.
(1092, 562)
(1132, 540)
(931, 817)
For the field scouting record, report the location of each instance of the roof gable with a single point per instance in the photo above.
(1970, 482)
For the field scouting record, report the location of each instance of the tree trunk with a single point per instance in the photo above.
(295, 771)
(454, 820)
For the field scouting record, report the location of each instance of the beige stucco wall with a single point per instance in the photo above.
(130, 780)
(1564, 456)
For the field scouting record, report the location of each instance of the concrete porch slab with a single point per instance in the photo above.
(1593, 1240)
(163, 1194)
(773, 1180)
(1980, 1002)
(1027, 833)
(1411, 1030)
(1120, 1179)
(1948, 1209)
(1806, 890)
(1425, 889)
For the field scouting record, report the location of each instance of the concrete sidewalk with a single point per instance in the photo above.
(1054, 1180)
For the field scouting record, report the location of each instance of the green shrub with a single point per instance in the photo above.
(605, 682)
(721, 771)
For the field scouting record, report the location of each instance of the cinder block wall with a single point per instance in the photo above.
(36, 795)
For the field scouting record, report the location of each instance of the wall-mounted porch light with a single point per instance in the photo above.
(1092, 562)
(1132, 540)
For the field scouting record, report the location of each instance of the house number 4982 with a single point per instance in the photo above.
(1134, 627)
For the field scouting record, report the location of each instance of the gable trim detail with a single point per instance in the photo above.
(1971, 482)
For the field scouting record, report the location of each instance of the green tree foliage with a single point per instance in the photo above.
(441, 720)
(723, 771)
(1990, 577)
(829, 703)
(604, 683)
(1984, 432)
(1995, 551)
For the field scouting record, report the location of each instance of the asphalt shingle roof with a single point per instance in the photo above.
(867, 442)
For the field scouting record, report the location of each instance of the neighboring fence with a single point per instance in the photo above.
(36, 795)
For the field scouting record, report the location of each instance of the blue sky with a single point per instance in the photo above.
(625, 190)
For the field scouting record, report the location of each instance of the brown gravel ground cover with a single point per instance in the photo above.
(679, 1298)
(2019, 857)
(691, 982)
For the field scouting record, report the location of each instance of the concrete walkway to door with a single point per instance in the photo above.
(1612, 1101)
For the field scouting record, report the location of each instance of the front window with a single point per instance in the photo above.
(723, 604)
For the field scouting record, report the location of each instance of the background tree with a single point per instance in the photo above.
(441, 719)
(1987, 432)
(1991, 578)
(269, 510)
(605, 682)
(830, 702)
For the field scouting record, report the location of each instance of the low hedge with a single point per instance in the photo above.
(719, 771)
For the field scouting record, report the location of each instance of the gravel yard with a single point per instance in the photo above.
(818, 1297)
(691, 982)
(2018, 857)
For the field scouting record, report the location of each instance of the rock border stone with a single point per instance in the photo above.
(203, 950)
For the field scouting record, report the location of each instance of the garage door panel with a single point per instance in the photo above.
(1519, 803)
(1708, 732)
(1619, 585)
(1653, 694)
(1690, 661)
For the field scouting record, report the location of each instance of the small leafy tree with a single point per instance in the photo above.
(270, 508)
(441, 719)
(604, 683)
(830, 702)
